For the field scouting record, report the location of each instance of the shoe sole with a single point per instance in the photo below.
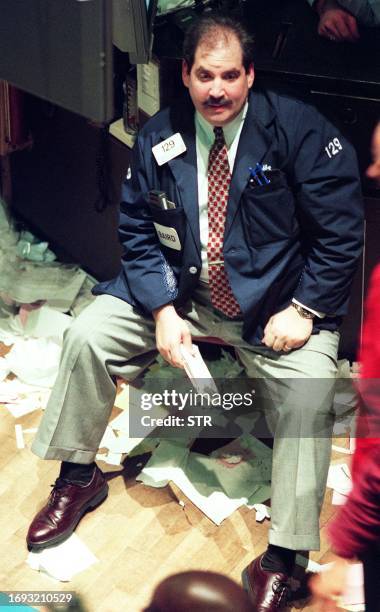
(245, 581)
(91, 505)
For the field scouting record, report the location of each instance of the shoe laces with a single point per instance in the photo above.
(59, 484)
(281, 590)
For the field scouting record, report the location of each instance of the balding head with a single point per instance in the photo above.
(199, 591)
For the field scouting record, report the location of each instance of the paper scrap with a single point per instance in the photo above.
(19, 437)
(338, 499)
(35, 360)
(20, 398)
(19, 431)
(46, 322)
(122, 398)
(197, 370)
(339, 478)
(64, 561)
(262, 512)
(111, 458)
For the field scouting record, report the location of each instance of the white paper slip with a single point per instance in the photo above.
(46, 322)
(64, 561)
(338, 499)
(168, 149)
(339, 478)
(262, 512)
(197, 370)
(19, 436)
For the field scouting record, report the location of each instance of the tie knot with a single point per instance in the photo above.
(219, 136)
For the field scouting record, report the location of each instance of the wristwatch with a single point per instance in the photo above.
(303, 312)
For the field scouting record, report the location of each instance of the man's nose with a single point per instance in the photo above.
(216, 89)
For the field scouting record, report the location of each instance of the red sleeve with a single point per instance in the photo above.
(358, 523)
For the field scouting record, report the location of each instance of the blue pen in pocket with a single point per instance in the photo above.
(258, 175)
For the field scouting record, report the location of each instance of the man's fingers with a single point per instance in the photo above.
(187, 341)
(352, 25)
(344, 32)
(278, 344)
(332, 31)
(176, 358)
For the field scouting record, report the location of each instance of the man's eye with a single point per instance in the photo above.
(204, 76)
(232, 76)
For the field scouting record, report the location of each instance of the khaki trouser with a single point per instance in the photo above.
(111, 339)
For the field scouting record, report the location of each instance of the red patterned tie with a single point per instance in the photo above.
(219, 178)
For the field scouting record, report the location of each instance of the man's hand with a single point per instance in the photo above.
(171, 332)
(337, 24)
(287, 330)
(329, 585)
(373, 171)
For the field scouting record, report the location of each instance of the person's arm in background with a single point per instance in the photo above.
(335, 22)
(358, 523)
(367, 12)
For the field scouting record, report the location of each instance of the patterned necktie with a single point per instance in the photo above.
(219, 178)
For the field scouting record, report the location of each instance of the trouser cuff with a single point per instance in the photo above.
(293, 541)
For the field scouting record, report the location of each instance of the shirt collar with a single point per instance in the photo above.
(205, 130)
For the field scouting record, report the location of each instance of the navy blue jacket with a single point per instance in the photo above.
(300, 236)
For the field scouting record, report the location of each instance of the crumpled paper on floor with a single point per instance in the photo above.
(216, 487)
(20, 398)
(58, 284)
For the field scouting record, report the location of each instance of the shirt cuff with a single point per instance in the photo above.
(321, 315)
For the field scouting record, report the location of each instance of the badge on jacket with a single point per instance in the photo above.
(168, 149)
(168, 236)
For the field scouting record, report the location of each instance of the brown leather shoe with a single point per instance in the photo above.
(65, 507)
(268, 591)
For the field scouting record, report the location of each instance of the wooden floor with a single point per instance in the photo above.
(139, 534)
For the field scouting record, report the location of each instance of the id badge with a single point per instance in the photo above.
(168, 236)
(169, 149)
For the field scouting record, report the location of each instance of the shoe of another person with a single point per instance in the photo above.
(268, 591)
(66, 505)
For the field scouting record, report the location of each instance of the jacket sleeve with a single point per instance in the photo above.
(150, 278)
(358, 523)
(330, 212)
(366, 11)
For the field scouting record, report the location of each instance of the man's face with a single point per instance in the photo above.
(218, 83)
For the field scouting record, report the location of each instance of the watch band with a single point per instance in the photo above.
(303, 312)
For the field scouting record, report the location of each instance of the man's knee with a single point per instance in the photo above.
(82, 334)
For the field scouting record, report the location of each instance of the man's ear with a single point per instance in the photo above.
(185, 74)
(250, 76)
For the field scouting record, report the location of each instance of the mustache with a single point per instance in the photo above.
(216, 102)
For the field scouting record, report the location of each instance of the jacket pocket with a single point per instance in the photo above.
(268, 211)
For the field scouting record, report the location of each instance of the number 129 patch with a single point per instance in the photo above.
(169, 148)
(334, 147)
